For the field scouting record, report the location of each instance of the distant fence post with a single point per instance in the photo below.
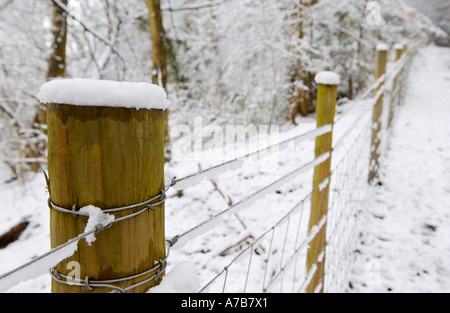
(380, 70)
(402, 76)
(325, 111)
(108, 157)
(396, 86)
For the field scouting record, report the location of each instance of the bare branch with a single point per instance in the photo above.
(193, 8)
(93, 33)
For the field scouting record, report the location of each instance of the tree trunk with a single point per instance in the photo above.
(57, 60)
(56, 68)
(159, 54)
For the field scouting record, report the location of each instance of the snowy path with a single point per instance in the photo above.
(405, 238)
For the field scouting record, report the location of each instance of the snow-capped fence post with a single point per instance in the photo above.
(380, 70)
(106, 151)
(325, 111)
(396, 86)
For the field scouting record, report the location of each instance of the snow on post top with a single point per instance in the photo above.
(382, 47)
(90, 92)
(398, 46)
(327, 78)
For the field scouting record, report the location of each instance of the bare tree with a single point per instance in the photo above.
(56, 68)
(159, 53)
(57, 60)
(302, 103)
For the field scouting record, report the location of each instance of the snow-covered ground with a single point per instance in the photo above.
(404, 234)
(404, 243)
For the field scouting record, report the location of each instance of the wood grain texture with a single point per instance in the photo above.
(107, 157)
(380, 70)
(325, 112)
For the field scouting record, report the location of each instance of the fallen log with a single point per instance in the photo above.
(13, 234)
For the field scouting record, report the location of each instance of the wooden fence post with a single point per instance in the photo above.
(396, 87)
(380, 70)
(402, 76)
(107, 155)
(325, 111)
